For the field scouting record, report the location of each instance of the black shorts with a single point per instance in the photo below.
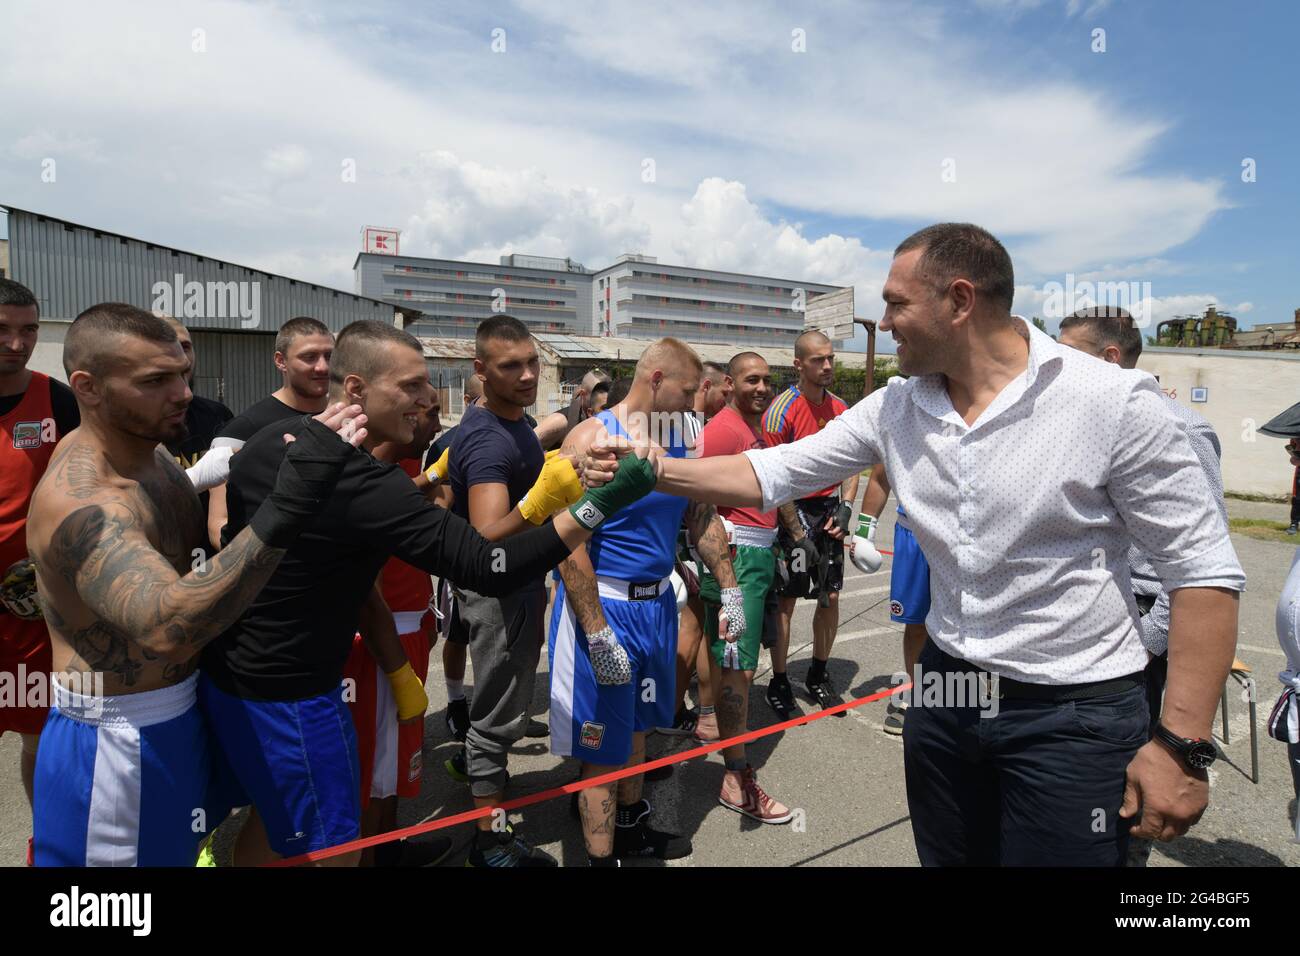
(813, 515)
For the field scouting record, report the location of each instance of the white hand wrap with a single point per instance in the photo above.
(733, 605)
(212, 469)
(608, 658)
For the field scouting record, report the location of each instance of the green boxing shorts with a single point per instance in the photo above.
(755, 568)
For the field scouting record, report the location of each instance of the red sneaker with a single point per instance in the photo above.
(741, 792)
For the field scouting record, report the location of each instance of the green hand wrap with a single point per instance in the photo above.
(634, 480)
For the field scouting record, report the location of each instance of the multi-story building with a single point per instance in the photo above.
(547, 295)
(636, 297)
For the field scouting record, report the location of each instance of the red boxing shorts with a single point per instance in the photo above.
(391, 755)
(25, 668)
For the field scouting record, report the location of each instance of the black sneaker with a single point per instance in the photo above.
(507, 849)
(425, 851)
(642, 840)
(823, 693)
(683, 724)
(536, 728)
(458, 718)
(780, 697)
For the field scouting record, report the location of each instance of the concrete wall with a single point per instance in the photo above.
(1245, 390)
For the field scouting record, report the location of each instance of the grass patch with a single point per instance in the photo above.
(1241, 496)
(1262, 529)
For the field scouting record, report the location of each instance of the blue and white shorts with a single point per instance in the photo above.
(122, 780)
(595, 722)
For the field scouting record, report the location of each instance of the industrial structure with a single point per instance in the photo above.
(1219, 330)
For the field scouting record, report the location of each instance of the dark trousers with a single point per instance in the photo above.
(1295, 509)
(1039, 784)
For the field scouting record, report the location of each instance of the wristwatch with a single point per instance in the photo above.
(1196, 752)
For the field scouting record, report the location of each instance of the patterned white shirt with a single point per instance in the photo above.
(1027, 516)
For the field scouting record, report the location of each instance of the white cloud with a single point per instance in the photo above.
(286, 161)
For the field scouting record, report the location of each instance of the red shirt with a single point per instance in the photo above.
(406, 588)
(28, 434)
(792, 416)
(728, 434)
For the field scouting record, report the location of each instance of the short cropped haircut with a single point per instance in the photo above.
(739, 359)
(669, 350)
(961, 250)
(359, 349)
(504, 327)
(300, 325)
(801, 344)
(1108, 325)
(618, 390)
(715, 370)
(93, 342)
(18, 295)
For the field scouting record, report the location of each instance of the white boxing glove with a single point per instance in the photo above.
(862, 549)
(212, 469)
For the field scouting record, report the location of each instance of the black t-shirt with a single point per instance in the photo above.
(205, 419)
(294, 639)
(253, 419)
(493, 450)
(63, 403)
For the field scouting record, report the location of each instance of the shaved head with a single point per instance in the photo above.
(94, 340)
(809, 341)
(668, 354)
(740, 360)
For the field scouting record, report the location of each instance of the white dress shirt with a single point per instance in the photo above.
(1026, 517)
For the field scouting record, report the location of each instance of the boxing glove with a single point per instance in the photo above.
(862, 550)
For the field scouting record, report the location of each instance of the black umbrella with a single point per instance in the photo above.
(1286, 425)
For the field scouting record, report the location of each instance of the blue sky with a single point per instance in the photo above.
(1116, 165)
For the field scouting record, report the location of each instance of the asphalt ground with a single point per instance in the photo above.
(843, 774)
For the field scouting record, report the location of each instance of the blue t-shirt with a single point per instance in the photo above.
(487, 449)
(639, 543)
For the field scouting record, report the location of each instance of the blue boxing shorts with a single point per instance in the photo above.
(296, 760)
(595, 722)
(909, 579)
(122, 780)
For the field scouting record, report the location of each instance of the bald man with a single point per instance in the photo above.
(812, 529)
(613, 637)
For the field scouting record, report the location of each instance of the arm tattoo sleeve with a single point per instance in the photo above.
(580, 590)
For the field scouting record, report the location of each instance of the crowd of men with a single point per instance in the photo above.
(239, 611)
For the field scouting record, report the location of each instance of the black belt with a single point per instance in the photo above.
(1008, 688)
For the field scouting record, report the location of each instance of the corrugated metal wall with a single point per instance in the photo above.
(70, 267)
(237, 368)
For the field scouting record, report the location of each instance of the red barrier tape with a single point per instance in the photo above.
(577, 785)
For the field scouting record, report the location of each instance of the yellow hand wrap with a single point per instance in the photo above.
(556, 487)
(408, 692)
(439, 469)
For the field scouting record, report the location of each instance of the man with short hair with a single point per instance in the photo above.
(495, 459)
(271, 684)
(1111, 335)
(131, 598)
(812, 528)
(735, 429)
(1028, 469)
(302, 354)
(613, 633)
(204, 418)
(35, 413)
(552, 430)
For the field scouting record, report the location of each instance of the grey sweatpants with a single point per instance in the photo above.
(505, 644)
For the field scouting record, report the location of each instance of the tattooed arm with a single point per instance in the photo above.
(580, 590)
(705, 530)
(102, 552)
(789, 516)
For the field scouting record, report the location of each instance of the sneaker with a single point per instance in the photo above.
(536, 728)
(780, 697)
(642, 840)
(458, 718)
(425, 851)
(683, 724)
(507, 849)
(456, 768)
(823, 693)
(205, 853)
(894, 715)
(741, 792)
(706, 728)
(1292, 529)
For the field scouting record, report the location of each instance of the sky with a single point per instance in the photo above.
(1149, 144)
